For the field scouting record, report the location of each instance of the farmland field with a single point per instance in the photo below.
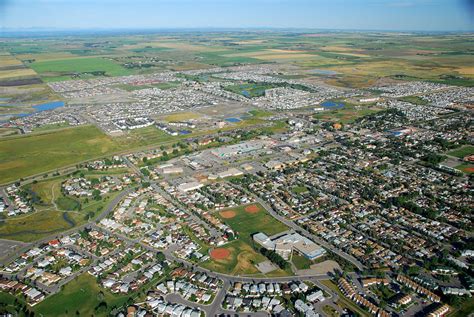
(54, 70)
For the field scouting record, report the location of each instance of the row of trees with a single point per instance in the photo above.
(275, 258)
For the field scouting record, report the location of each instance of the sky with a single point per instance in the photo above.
(396, 15)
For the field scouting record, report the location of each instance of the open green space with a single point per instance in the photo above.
(31, 154)
(414, 100)
(67, 203)
(241, 261)
(82, 295)
(220, 59)
(36, 225)
(299, 189)
(347, 114)
(465, 309)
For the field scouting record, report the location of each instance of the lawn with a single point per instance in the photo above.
(462, 151)
(36, 153)
(53, 70)
(299, 189)
(301, 262)
(82, 295)
(181, 116)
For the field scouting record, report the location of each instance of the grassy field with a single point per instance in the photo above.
(55, 70)
(36, 225)
(250, 90)
(414, 100)
(35, 153)
(181, 116)
(82, 295)
(347, 114)
(463, 151)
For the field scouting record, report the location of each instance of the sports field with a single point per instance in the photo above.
(238, 257)
(250, 219)
(462, 151)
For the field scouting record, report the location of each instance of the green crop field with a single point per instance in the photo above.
(55, 70)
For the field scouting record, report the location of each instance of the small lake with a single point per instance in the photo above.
(183, 132)
(233, 120)
(324, 72)
(332, 105)
(37, 108)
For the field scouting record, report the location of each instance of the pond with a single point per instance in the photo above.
(332, 105)
(324, 72)
(233, 120)
(38, 108)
